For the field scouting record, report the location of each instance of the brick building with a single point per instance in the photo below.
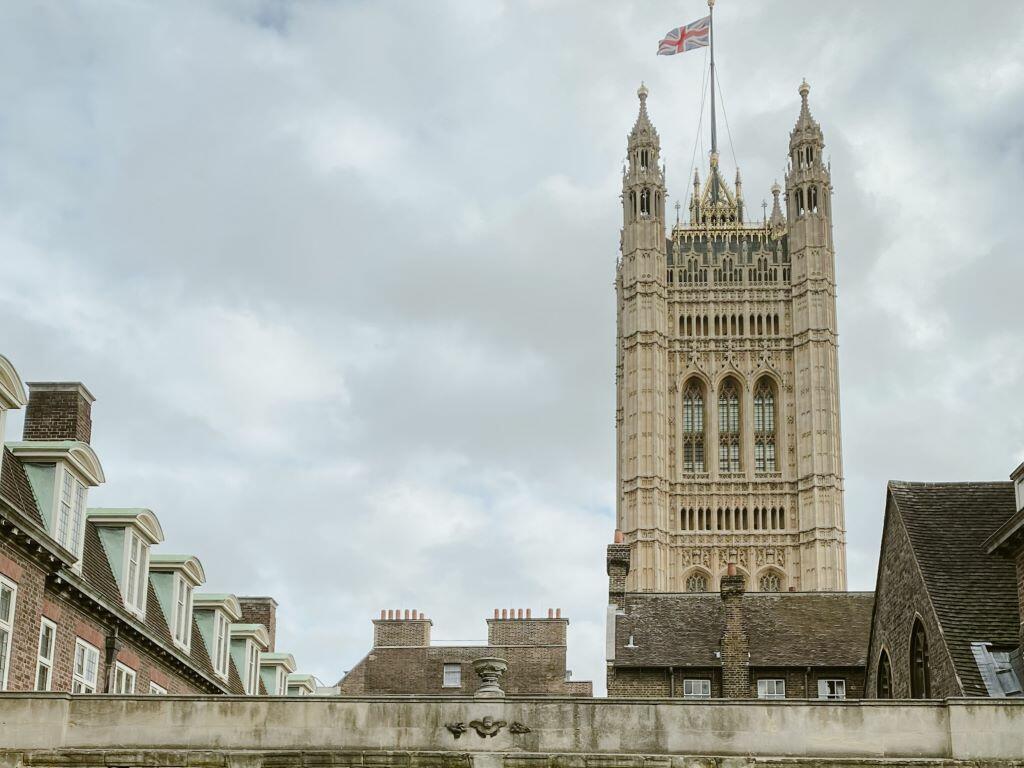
(404, 659)
(87, 604)
(950, 591)
(734, 644)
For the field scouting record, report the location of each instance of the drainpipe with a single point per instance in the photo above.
(671, 682)
(113, 645)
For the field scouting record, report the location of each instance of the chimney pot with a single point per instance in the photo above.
(619, 537)
(504, 613)
(383, 614)
(496, 613)
(519, 614)
(731, 569)
(406, 614)
(558, 613)
(528, 611)
(551, 613)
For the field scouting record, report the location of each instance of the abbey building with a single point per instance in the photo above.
(727, 417)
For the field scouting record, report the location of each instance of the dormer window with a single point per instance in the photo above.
(248, 642)
(214, 615)
(182, 621)
(126, 536)
(174, 577)
(274, 671)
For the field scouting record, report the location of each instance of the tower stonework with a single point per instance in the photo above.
(727, 421)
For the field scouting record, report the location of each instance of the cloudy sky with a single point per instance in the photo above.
(340, 273)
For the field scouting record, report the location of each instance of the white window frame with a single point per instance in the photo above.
(252, 668)
(136, 572)
(696, 688)
(837, 686)
(69, 514)
(7, 628)
(182, 629)
(44, 656)
(124, 679)
(221, 643)
(156, 690)
(771, 688)
(81, 681)
(451, 675)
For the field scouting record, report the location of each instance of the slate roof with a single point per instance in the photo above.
(974, 593)
(818, 629)
(14, 485)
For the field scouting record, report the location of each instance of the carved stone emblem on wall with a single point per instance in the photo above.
(487, 727)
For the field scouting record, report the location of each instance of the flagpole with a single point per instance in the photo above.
(714, 130)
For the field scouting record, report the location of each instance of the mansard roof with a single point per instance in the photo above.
(786, 629)
(973, 592)
(16, 488)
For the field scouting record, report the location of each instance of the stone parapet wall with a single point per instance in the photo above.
(61, 730)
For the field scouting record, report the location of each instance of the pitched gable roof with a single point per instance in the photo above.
(974, 593)
(785, 629)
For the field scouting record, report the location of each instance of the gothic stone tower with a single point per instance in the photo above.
(727, 415)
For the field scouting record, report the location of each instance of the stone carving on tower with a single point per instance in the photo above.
(728, 439)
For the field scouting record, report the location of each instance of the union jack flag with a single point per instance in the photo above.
(696, 34)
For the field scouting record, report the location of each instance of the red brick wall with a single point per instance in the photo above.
(34, 600)
(735, 646)
(899, 596)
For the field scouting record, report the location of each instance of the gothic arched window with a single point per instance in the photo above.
(729, 426)
(812, 199)
(920, 685)
(693, 427)
(643, 159)
(697, 582)
(800, 202)
(770, 582)
(645, 202)
(764, 426)
(884, 684)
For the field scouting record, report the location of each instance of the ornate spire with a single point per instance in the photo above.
(778, 218)
(643, 129)
(806, 128)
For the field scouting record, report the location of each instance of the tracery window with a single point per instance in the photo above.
(920, 687)
(693, 427)
(729, 427)
(770, 582)
(645, 202)
(764, 426)
(884, 687)
(697, 582)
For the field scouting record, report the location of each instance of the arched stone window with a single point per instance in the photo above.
(764, 426)
(643, 159)
(729, 426)
(812, 199)
(920, 685)
(884, 684)
(693, 427)
(770, 582)
(697, 582)
(645, 202)
(800, 202)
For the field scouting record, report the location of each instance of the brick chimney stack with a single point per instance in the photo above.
(514, 626)
(735, 645)
(398, 629)
(617, 565)
(261, 610)
(58, 411)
